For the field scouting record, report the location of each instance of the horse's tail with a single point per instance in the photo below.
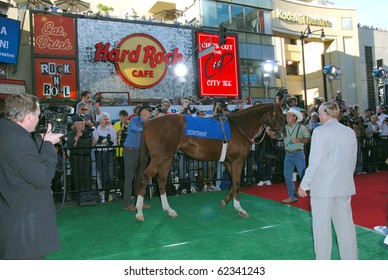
(142, 164)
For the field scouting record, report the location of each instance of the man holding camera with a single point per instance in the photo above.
(28, 227)
(121, 128)
(83, 116)
(220, 108)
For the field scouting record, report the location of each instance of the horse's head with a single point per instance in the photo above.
(277, 122)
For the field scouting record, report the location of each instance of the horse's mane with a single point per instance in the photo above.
(249, 111)
(251, 119)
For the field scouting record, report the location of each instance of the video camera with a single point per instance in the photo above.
(193, 110)
(222, 105)
(160, 109)
(57, 117)
(95, 99)
(282, 94)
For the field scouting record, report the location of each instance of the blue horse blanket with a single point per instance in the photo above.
(206, 128)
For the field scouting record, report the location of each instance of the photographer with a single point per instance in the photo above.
(282, 98)
(343, 105)
(384, 127)
(121, 128)
(92, 104)
(185, 109)
(159, 112)
(371, 143)
(220, 107)
(166, 104)
(83, 116)
(104, 137)
(79, 143)
(314, 108)
(28, 227)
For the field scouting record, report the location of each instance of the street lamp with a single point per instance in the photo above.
(269, 69)
(307, 33)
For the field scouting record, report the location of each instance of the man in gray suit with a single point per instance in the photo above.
(28, 228)
(329, 178)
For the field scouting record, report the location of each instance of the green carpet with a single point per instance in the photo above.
(202, 231)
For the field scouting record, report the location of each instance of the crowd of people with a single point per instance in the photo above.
(89, 132)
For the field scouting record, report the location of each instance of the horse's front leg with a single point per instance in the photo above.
(235, 170)
(139, 208)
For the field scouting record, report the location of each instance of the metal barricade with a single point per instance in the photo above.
(96, 169)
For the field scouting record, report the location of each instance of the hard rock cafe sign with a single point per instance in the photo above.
(140, 59)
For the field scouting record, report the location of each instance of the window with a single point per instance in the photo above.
(222, 14)
(292, 68)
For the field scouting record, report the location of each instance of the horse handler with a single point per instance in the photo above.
(131, 154)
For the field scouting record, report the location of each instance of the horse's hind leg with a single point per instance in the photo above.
(162, 180)
(229, 196)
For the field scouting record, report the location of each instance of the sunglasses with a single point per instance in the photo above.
(83, 109)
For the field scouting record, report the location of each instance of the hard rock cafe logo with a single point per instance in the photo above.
(140, 59)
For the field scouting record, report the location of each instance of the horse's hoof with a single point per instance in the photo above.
(173, 214)
(222, 203)
(244, 214)
(140, 218)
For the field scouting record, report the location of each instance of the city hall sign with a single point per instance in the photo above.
(302, 19)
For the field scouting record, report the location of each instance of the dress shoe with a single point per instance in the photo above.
(129, 208)
(289, 200)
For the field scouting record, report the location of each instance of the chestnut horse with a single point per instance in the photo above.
(162, 137)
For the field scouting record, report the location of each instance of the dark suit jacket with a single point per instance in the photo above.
(28, 225)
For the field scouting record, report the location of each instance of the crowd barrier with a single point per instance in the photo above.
(82, 170)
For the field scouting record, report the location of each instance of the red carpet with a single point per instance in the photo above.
(369, 204)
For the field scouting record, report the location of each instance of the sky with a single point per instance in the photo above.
(370, 12)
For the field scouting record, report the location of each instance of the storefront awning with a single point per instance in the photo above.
(161, 6)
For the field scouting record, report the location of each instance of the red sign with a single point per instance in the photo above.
(218, 71)
(54, 35)
(55, 78)
(140, 59)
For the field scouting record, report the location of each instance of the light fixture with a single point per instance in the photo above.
(270, 67)
(323, 37)
(379, 73)
(180, 70)
(332, 72)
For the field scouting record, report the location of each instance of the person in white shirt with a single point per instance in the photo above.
(329, 178)
(105, 136)
(381, 114)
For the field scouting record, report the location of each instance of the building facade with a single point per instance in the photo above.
(267, 31)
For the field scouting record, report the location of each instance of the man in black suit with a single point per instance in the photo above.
(28, 228)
